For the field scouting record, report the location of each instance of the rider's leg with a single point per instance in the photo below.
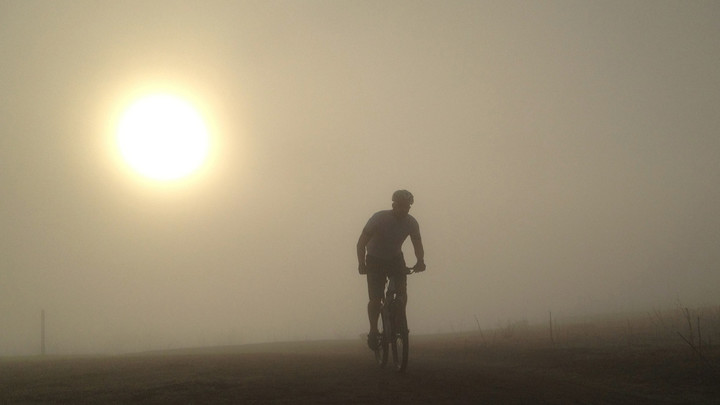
(399, 281)
(376, 290)
(400, 284)
(374, 307)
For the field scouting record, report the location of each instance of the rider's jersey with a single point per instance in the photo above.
(387, 233)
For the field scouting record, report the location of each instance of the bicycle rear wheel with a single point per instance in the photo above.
(381, 351)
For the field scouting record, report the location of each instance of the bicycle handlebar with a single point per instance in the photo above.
(412, 270)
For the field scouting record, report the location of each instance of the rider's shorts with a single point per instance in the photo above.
(378, 272)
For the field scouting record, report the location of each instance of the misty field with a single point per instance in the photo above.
(614, 361)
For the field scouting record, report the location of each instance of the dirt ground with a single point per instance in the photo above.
(453, 369)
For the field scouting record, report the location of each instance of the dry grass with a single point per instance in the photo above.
(620, 360)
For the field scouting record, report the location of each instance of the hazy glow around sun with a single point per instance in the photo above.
(163, 137)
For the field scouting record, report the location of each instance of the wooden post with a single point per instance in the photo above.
(552, 339)
(42, 332)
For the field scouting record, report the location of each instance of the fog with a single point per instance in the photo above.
(564, 157)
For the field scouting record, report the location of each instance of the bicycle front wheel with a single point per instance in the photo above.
(401, 349)
(382, 348)
(400, 341)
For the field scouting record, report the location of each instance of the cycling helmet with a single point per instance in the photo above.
(403, 196)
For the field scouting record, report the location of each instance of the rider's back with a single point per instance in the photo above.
(388, 232)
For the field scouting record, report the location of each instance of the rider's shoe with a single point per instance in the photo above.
(373, 340)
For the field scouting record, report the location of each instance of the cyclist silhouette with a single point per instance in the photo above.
(379, 252)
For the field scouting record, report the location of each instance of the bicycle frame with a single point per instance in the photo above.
(395, 329)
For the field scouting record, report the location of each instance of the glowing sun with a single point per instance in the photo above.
(163, 137)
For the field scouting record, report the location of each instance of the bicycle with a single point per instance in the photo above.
(394, 333)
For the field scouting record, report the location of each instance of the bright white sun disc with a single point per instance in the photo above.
(163, 137)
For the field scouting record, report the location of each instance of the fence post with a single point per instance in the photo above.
(552, 339)
(42, 332)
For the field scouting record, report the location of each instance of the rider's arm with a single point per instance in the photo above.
(419, 254)
(362, 242)
(416, 240)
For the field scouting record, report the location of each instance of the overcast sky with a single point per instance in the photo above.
(564, 156)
